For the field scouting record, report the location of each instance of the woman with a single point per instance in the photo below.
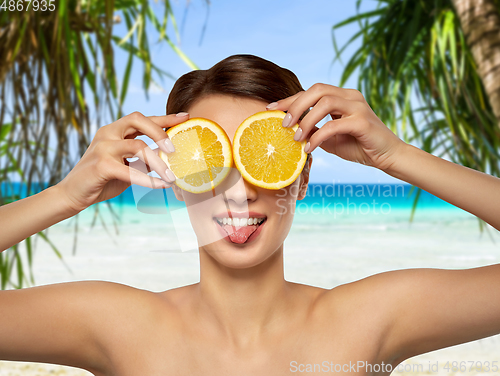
(243, 317)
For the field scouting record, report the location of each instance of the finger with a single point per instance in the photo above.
(152, 159)
(322, 89)
(142, 167)
(167, 121)
(310, 97)
(136, 123)
(325, 89)
(134, 176)
(283, 104)
(156, 151)
(304, 102)
(138, 148)
(163, 122)
(329, 104)
(332, 128)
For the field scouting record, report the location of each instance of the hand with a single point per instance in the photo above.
(355, 133)
(103, 173)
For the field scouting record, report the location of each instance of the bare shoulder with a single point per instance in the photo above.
(413, 311)
(131, 309)
(108, 305)
(368, 307)
(67, 323)
(376, 291)
(379, 293)
(127, 318)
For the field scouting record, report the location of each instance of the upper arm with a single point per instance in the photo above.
(435, 308)
(59, 323)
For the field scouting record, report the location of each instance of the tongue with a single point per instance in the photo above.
(239, 235)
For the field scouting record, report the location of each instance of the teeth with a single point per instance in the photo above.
(239, 222)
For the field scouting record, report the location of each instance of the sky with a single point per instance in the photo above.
(294, 34)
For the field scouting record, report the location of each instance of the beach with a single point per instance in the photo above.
(327, 246)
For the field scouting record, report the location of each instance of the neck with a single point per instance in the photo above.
(244, 304)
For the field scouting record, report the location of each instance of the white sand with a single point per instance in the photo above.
(38, 369)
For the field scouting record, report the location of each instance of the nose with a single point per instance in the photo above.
(238, 193)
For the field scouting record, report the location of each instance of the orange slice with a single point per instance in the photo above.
(265, 152)
(202, 157)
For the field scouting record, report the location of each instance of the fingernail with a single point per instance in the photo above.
(270, 106)
(182, 114)
(287, 120)
(307, 147)
(297, 134)
(170, 175)
(168, 144)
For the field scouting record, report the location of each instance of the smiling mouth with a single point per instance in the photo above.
(240, 230)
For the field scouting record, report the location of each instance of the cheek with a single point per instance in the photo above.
(285, 200)
(200, 208)
(284, 207)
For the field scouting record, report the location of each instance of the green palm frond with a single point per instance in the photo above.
(58, 80)
(414, 52)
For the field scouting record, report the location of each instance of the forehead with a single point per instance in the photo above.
(227, 111)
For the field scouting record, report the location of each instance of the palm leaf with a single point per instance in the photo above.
(417, 49)
(57, 78)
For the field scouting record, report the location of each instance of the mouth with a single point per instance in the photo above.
(240, 228)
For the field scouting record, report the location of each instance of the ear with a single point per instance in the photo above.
(304, 178)
(178, 192)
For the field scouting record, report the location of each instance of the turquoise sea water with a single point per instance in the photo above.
(324, 204)
(325, 207)
(396, 195)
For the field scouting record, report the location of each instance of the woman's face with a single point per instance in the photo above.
(239, 246)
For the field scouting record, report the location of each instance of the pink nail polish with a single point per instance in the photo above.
(169, 145)
(270, 106)
(297, 134)
(170, 176)
(180, 114)
(287, 120)
(307, 147)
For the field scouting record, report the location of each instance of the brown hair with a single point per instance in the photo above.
(238, 75)
(245, 76)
